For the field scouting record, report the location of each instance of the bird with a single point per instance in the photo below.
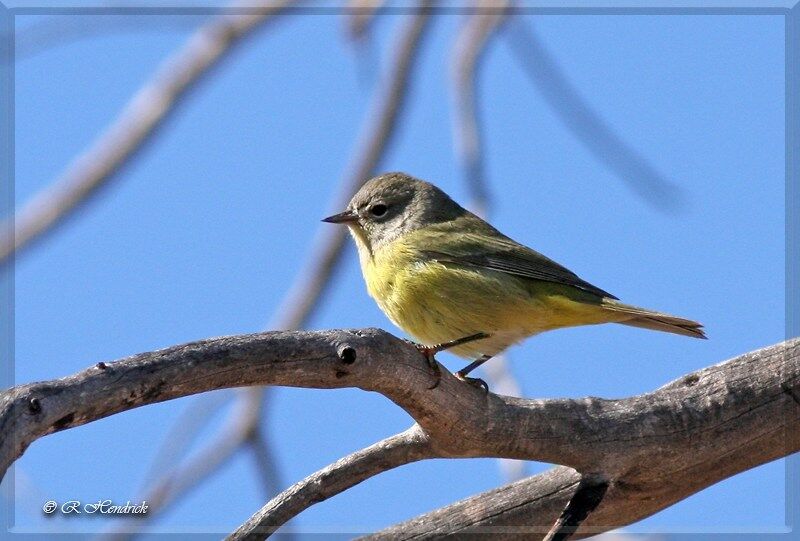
(452, 281)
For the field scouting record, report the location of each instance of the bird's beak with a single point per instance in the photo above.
(345, 217)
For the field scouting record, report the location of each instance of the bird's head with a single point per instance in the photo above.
(393, 204)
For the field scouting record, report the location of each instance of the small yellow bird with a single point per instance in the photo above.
(445, 276)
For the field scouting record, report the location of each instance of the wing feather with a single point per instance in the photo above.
(485, 247)
(535, 268)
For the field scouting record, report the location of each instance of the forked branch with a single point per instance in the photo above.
(654, 449)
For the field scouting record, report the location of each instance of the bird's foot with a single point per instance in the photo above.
(429, 352)
(475, 382)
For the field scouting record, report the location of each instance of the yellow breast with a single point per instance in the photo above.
(436, 302)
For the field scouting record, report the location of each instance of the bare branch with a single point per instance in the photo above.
(408, 446)
(299, 304)
(586, 124)
(655, 449)
(361, 14)
(524, 510)
(469, 49)
(137, 123)
(238, 431)
(59, 30)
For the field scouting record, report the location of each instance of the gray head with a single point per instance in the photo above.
(392, 205)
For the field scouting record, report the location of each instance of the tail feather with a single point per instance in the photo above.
(657, 321)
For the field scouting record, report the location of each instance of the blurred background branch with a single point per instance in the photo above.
(470, 48)
(640, 176)
(136, 124)
(51, 32)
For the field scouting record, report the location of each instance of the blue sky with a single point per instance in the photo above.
(202, 234)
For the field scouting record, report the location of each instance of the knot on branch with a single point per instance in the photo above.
(347, 354)
(34, 406)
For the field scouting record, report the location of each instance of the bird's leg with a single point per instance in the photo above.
(429, 352)
(478, 382)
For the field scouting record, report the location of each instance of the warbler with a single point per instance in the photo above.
(445, 276)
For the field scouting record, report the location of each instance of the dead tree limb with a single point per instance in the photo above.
(588, 495)
(654, 449)
(721, 438)
(408, 446)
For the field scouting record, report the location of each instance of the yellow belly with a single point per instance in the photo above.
(435, 302)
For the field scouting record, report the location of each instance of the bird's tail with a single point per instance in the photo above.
(657, 321)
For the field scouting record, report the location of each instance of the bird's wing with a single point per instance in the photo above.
(497, 252)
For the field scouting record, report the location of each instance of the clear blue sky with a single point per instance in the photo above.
(203, 233)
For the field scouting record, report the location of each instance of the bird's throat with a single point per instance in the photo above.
(362, 242)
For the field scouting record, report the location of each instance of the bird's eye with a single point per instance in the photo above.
(378, 210)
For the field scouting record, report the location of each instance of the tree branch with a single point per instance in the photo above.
(305, 293)
(585, 123)
(524, 510)
(398, 450)
(654, 449)
(470, 47)
(143, 114)
(587, 497)
(360, 15)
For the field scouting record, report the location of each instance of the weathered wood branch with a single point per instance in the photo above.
(530, 506)
(727, 418)
(655, 449)
(587, 496)
(409, 446)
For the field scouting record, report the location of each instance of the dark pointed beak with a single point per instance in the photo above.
(347, 216)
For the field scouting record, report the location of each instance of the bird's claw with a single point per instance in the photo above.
(429, 353)
(475, 382)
